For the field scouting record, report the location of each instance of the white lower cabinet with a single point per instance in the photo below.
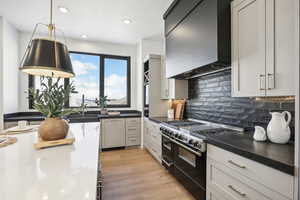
(212, 194)
(13, 124)
(35, 122)
(133, 131)
(113, 133)
(232, 177)
(120, 132)
(152, 138)
(10, 124)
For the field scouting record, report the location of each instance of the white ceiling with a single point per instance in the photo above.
(101, 20)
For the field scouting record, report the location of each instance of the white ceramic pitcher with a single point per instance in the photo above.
(278, 130)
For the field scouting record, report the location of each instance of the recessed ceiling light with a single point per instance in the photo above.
(127, 21)
(84, 36)
(63, 9)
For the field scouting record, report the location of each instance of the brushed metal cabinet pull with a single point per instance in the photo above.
(271, 86)
(237, 191)
(237, 165)
(262, 84)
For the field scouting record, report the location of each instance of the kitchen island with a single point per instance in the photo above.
(64, 172)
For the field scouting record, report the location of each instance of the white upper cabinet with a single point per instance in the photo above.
(281, 49)
(172, 88)
(263, 51)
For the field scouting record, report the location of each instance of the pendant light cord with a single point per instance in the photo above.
(51, 10)
(51, 25)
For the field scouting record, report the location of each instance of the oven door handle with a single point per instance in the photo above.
(168, 164)
(167, 147)
(183, 146)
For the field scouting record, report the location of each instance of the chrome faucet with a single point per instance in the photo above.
(83, 105)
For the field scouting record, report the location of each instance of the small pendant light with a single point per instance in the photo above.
(47, 56)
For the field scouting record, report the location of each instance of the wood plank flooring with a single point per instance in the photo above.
(133, 174)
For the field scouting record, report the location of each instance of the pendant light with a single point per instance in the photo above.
(47, 56)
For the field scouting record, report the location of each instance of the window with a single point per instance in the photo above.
(116, 80)
(97, 75)
(86, 81)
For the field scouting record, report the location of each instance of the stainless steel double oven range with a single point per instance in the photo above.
(184, 151)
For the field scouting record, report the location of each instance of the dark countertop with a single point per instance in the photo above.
(90, 116)
(277, 156)
(161, 119)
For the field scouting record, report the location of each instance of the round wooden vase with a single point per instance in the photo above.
(53, 129)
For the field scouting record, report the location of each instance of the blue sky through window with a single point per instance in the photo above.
(115, 83)
(86, 81)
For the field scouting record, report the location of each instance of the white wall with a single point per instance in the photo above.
(10, 68)
(1, 72)
(146, 47)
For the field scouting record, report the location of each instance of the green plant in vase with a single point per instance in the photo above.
(102, 103)
(50, 100)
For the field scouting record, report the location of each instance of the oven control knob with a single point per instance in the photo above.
(195, 144)
(182, 137)
(176, 135)
(191, 141)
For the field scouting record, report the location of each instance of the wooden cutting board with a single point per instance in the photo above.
(8, 141)
(41, 144)
(179, 111)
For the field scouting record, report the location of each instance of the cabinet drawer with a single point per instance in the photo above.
(131, 141)
(235, 186)
(156, 138)
(132, 131)
(155, 151)
(212, 194)
(112, 120)
(254, 171)
(133, 121)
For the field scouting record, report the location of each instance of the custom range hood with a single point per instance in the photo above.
(198, 37)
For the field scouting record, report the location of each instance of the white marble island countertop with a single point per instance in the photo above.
(64, 172)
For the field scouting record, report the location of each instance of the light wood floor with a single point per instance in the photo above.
(133, 174)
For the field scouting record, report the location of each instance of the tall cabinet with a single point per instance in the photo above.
(263, 47)
(154, 105)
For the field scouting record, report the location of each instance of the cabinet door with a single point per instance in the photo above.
(10, 125)
(146, 134)
(280, 47)
(248, 43)
(164, 80)
(113, 133)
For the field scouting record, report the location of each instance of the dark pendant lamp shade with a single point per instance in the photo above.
(47, 58)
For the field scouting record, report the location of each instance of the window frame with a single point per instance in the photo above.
(102, 58)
